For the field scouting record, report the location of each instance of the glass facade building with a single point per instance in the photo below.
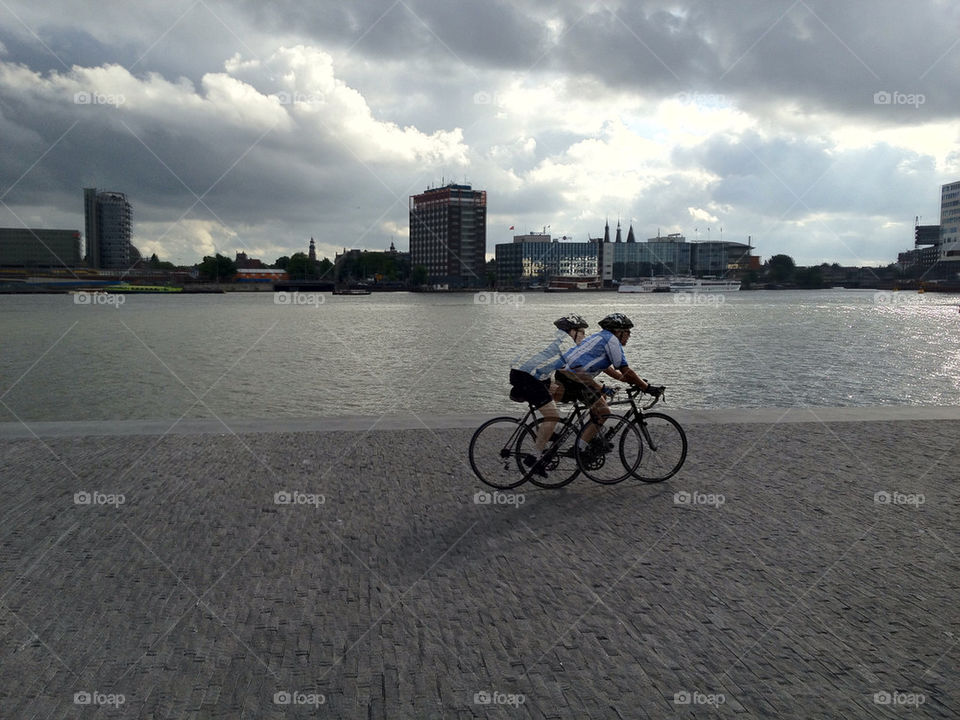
(527, 261)
(521, 264)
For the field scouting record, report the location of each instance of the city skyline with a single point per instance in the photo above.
(818, 135)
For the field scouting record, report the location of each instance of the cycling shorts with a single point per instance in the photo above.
(536, 392)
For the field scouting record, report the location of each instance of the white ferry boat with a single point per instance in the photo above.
(703, 285)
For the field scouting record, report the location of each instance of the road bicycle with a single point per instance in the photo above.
(503, 450)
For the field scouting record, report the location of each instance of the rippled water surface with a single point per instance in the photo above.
(243, 355)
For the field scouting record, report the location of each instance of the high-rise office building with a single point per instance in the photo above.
(109, 226)
(448, 235)
(950, 225)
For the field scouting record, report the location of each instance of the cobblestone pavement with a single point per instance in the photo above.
(805, 570)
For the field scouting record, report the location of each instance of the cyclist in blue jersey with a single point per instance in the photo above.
(530, 376)
(601, 352)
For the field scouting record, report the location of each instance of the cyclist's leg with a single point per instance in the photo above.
(598, 413)
(545, 431)
(537, 393)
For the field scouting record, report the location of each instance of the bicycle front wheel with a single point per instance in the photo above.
(560, 464)
(494, 452)
(666, 447)
(615, 452)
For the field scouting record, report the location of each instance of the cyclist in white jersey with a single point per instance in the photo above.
(601, 352)
(530, 376)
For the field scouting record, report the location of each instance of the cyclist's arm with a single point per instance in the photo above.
(631, 377)
(614, 373)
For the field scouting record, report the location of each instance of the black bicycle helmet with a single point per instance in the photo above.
(616, 321)
(571, 322)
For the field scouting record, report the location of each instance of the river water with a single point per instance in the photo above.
(248, 355)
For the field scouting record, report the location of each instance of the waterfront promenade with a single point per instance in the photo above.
(803, 564)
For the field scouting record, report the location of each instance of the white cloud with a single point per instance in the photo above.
(703, 215)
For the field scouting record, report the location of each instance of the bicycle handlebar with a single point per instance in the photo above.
(633, 391)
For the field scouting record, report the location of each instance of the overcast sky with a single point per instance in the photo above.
(820, 128)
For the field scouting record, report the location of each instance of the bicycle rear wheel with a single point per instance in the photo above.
(494, 453)
(666, 447)
(614, 454)
(560, 464)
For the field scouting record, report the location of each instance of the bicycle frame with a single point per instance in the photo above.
(635, 413)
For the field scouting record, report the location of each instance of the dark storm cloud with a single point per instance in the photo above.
(488, 34)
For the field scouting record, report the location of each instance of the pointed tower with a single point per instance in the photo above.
(630, 237)
(606, 232)
(313, 251)
(618, 233)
